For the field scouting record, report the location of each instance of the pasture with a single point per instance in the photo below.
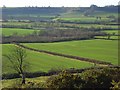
(97, 26)
(17, 31)
(84, 19)
(22, 22)
(105, 50)
(104, 14)
(43, 62)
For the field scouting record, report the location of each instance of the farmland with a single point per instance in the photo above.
(95, 49)
(38, 25)
(59, 38)
(83, 19)
(44, 62)
(16, 31)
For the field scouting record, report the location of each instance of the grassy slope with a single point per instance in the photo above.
(11, 31)
(44, 62)
(105, 50)
(79, 16)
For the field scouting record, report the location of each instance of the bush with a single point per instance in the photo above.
(100, 78)
(96, 79)
(30, 84)
(10, 76)
(116, 85)
(64, 80)
(93, 79)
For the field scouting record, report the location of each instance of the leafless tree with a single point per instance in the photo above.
(17, 58)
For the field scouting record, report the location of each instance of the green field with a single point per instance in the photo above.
(104, 14)
(84, 19)
(105, 50)
(93, 26)
(95, 14)
(111, 31)
(16, 31)
(43, 62)
(106, 37)
(79, 16)
(43, 23)
(98, 26)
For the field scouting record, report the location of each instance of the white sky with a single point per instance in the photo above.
(56, 3)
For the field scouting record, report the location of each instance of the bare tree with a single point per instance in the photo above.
(17, 58)
(109, 36)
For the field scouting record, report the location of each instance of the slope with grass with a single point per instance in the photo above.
(43, 62)
(105, 50)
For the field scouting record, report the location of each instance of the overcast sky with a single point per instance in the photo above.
(57, 3)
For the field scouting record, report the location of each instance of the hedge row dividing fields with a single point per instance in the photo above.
(68, 56)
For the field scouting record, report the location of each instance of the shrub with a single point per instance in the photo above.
(93, 79)
(100, 78)
(64, 80)
(116, 85)
(96, 79)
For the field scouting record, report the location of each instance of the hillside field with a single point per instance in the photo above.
(105, 50)
(57, 39)
(43, 62)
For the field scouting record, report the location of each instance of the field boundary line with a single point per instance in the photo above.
(50, 73)
(65, 55)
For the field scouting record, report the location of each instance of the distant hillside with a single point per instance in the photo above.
(46, 13)
(32, 10)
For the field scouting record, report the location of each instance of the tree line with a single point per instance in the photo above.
(53, 35)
